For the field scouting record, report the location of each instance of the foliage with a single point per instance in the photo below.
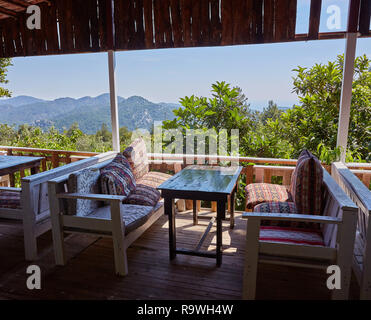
(4, 64)
(315, 120)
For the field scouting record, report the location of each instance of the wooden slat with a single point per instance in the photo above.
(158, 15)
(94, 30)
(196, 25)
(281, 20)
(139, 41)
(186, 9)
(314, 19)
(176, 23)
(147, 6)
(353, 17)
(215, 22)
(364, 18)
(291, 27)
(227, 22)
(205, 24)
(269, 15)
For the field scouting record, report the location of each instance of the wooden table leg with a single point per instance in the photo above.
(219, 234)
(169, 210)
(195, 212)
(35, 169)
(232, 209)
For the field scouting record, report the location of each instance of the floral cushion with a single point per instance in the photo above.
(306, 184)
(117, 178)
(257, 193)
(154, 179)
(136, 153)
(298, 236)
(84, 181)
(143, 195)
(10, 199)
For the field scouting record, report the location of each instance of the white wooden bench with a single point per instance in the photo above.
(338, 227)
(34, 211)
(108, 221)
(361, 195)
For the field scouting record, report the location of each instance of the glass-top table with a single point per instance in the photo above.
(209, 183)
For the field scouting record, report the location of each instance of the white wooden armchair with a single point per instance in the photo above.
(332, 244)
(32, 202)
(124, 223)
(361, 195)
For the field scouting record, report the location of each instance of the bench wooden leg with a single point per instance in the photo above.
(251, 259)
(118, 237)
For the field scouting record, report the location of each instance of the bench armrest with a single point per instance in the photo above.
(97, 197)
(291, 217)
(10, 189)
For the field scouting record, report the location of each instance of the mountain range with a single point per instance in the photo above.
(89, 112)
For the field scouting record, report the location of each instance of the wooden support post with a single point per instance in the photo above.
(113, 99)
(346, 90)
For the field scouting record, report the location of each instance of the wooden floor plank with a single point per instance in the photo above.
(89, 273)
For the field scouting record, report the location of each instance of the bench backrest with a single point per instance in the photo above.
(34, 196)
(336, 204)
(60, 183)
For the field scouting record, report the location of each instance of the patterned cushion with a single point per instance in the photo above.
(154, 179)
(276, 206)
(84, 181)
(265, 192)
(136, 153)
(283, 207)
(144, 195)
(133, 215)
(10, 199)
(291, 236)
(117, 178)
(306, 184)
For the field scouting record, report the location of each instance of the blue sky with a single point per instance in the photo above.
(263, 71)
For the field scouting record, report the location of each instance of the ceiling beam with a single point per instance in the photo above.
(20, 3)
(8, 12)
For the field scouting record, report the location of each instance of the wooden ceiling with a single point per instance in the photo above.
(77, 26)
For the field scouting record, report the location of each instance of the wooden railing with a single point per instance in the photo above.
(269, 170)
(52, 158)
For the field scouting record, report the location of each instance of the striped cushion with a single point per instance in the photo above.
(136, 153)
(306, 184)
(143, 195)
(154, 179)
(299, 236)
(117, 178)
(10, 199)
(257, 193)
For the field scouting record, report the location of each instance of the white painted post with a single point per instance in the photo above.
(346, 93)
(113, 98)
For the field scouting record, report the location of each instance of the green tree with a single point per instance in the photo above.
(4, 64)
(315, 120)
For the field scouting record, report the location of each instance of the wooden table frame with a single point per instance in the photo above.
(220, 197)
(32, 163)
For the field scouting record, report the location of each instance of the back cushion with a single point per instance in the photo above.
(136, 153)
(306, 184)
(84, 181)
(117, 178)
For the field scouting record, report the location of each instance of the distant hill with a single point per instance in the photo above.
(89, 112)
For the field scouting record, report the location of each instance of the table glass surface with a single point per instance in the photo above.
(12, 161)
(204, 179)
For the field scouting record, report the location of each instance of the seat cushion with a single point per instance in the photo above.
(133, 215)
(136, 153)
(154, 179)
(306, 184)
(143, 195)
(300, 236)
(10, 199)
(84, 181)
(283, 207)
(257, 193)
(117, 178)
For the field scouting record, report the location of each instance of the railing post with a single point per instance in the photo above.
(113, 98)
